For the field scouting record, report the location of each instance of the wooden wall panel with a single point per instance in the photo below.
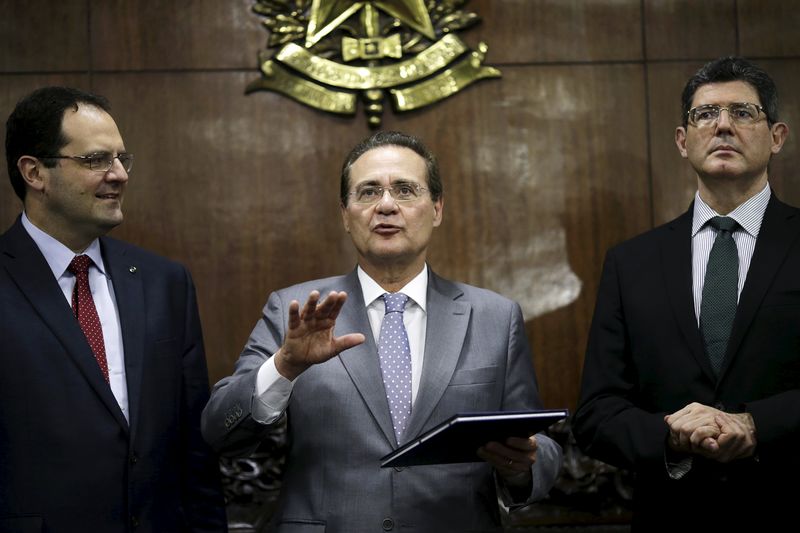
(784, 168)
(236, 187)
(769, 28)
(569, 153)
(533, 31)
(532, 198)
(43, 36)
(681, 29)
(673, 181)
(180, 34)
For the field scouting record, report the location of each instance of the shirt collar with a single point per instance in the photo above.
(748, 215)
(57, 255)
(416, 289)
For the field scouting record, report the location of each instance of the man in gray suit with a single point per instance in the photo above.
(458, 348)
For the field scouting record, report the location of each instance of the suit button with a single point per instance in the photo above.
(134, 521)
(719, 406)
(134, 459)
(388, 524)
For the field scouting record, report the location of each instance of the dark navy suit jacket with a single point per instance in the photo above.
(69, 461)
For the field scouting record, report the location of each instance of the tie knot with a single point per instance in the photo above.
(79, 264)
(395, 302)
(723, 223)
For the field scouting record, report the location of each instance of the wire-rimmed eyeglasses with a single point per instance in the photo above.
(741, 113)
(400, 192)
(101, 161)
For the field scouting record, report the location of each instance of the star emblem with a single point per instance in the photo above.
(327, 15)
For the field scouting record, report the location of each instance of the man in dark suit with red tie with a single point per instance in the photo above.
(102, 368)
(692, 372)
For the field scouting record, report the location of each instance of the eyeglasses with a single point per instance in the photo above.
(741, 113)
(400, 192)
(101, 161)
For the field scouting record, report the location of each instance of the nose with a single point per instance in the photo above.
(387, 203)
(117, 171)
(726, 122)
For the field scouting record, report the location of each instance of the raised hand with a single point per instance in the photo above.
(309, 337)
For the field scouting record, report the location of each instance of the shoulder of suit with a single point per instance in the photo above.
(653, 236)
(465, 292)
(136, 255)
(323, 285)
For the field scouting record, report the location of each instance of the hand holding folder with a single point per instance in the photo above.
(457, 439)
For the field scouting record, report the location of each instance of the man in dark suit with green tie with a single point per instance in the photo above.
(692, 371)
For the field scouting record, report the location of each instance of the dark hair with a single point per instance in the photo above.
(392, 138)
(34, 127)
(733, 69)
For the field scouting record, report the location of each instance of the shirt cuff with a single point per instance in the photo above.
(272, 393)
(677, 465)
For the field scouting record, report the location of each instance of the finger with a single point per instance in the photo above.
(511, 458)
(504, 464)
(323, 308)
(525, 445)
(345, 342)
(294, 314)
(702, 433)
(330, 308)
(341, 298)
(310, 306)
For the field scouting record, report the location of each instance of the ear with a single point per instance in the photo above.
(680, 141)
(780, 132)
(345, 217)
(31, 170)
(438, 206)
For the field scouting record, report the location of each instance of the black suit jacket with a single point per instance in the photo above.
(69, 461)
(646, 359)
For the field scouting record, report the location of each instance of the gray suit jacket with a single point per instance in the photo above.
(477, 358)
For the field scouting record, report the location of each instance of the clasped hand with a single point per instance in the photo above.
(309, 337)
(711, 433)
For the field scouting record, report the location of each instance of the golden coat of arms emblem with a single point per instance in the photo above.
(333, 53)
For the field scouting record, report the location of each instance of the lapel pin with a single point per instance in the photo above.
(132, 270)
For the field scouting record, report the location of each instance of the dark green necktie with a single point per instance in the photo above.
(720, 291)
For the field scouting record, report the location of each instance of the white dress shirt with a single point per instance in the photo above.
(58, 257)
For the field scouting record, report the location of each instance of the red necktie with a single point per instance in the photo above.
(85, 311)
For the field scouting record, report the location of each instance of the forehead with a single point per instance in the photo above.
(386, 164)
(725, 93)
(91, 127)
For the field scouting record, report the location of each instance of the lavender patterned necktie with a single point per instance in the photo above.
(395, 358)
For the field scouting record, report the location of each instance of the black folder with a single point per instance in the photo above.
(457, 439)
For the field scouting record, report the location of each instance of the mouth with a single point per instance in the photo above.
(725, 148)
(109, 196)
(386, 229)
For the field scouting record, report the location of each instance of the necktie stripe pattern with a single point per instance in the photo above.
(720, 292)
(85, 311)
(394, 354)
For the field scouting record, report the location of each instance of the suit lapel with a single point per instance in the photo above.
(361, 362)
(29, 270)
(447, 323)
(126, 279)
(779, 229)
(676, 261)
